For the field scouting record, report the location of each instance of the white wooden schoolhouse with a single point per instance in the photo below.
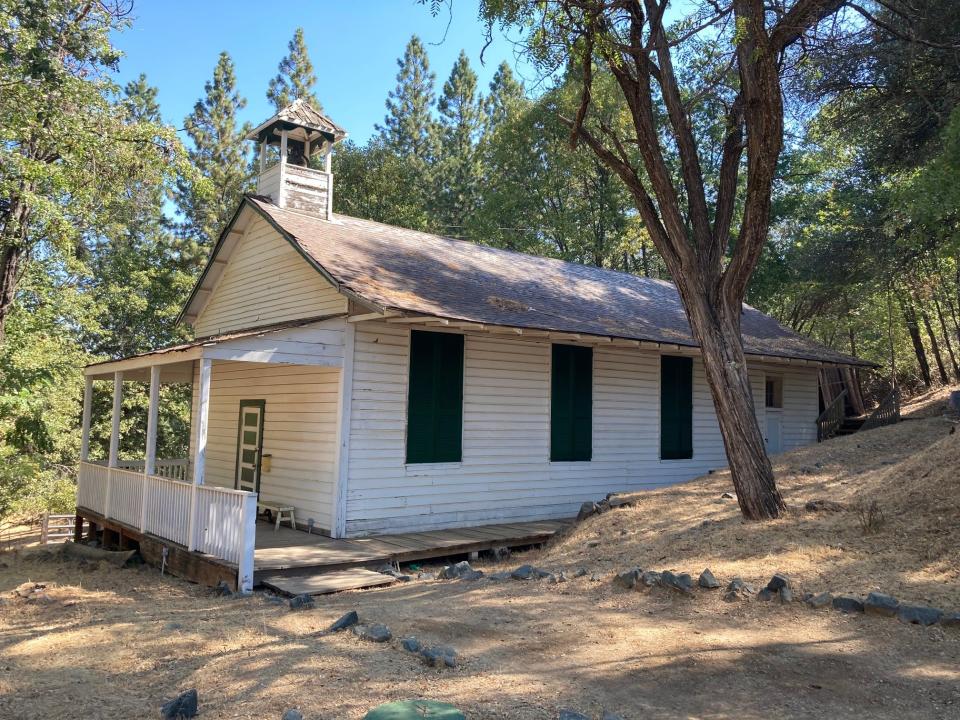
(367, 379)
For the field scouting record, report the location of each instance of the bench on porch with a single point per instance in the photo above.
(277, 512)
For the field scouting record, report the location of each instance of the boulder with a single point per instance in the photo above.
(302, 602)
(410, 644)
(681, 582)
(628, 578)
(292, 714)
(524, 572)
(707, 580)
(440, 656)
(457, 570)
(919, 614)
(778, 581)
(586, 510)
(378, 632)
(345, 621)
(847, 604)
(880, 604)
(820, 600)
(183, 706)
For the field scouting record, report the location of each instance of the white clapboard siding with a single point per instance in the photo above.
(299, 431)
(505, 474)
(266, 281)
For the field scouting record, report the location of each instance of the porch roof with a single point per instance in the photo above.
(177, 360)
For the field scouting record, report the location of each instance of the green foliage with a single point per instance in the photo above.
(295, 78)
(409, 128)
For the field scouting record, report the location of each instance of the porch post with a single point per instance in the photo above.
(203, 414)
(85, 425)
(114, 437)
(150, 458)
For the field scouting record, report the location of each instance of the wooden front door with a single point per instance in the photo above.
(250, 445)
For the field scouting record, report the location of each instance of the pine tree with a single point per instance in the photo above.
(460, 172)
(221, 160)
(409, 128)
(505, 92)
(295, 79)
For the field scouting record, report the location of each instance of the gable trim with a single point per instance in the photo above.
(196, 301)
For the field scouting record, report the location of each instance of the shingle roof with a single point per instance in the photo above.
(302, 113)
(396, 268)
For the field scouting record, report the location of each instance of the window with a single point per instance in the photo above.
(435, 397)
(774, 392)
(676, 408)
(571, 403)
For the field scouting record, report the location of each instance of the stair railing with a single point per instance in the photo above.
(886, 413)
(831, 418)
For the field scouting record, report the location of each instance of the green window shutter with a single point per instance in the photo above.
(571, 403)
(435, 397)
(676, 408)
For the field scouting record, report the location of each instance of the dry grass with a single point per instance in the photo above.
(104, 647)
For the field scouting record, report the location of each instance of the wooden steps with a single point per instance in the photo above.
(324, 582)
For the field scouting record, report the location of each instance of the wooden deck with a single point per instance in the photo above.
(287, 551)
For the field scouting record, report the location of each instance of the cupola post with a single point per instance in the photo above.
(288, 144)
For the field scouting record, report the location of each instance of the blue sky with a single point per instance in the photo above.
(354, 47)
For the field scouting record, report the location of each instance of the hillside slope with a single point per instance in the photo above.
(911, 470)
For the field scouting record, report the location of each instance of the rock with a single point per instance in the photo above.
(455, 571)
(728, 496)
(820, 600)
(182, 706)
(628, 578)
(737, 590)
(919, 614)
(619, 501)
(440, 656)
(595, 577)
(778, 581)
(345, 621)
(378, 632)
(472, 575)
(586, 510)
(786, 595)
(681, 582)
(824, 506)
(650, 578)
(292, 714)
(500, 576)
(847, 604)
(529, 572)
(766, 595)
(951, 620)
(223, 590)
(410, 644)
(880, 604)
(171, 626)
(707, 580)
(580, 572)
(566, 714)
(561, 578)
(426, 576)
(302, 602)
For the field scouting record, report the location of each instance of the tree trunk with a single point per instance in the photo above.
(717, 330)
(12, 253)
(946, 338)
(934, 346)
(910, 316)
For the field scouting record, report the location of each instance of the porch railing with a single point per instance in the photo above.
(886, 413)
(172, 468)
(831, 418)
(218, 521)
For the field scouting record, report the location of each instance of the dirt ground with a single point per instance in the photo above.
(117, 643)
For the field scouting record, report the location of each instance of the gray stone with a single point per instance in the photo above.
(728, 496)
(223, 589)
(707, 580)
(566, 714)
(348, 620)
(737, 589)
(951, 620)
(586, 510)
(183, 706)
(426, 576)
(847, 604)
(378, 632)
(820, 600)
(919, 614)
(785, 595)
(410, 644)
(292, 714)
(524, 572)
(440, 656)
(472, 575)
(561, 577)
(580, 572)
(499, 576)
(595, 577)
(766, 595)
(455, 571)
(302, 602)
(779, 580)
(650, 578)
(681, 582)
(172, 626)
(880, 604)
(628, 578)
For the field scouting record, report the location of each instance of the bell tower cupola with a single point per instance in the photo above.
(294, 156)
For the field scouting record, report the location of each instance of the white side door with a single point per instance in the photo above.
(249, 445)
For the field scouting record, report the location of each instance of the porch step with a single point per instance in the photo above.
(324, 583)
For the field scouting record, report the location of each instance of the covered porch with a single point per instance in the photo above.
(201, 504)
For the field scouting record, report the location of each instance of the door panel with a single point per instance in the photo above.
(249, 445)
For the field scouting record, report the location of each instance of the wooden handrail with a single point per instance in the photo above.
(831, 418)
(886, 413)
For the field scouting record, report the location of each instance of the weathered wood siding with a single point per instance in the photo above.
(306, 190)
(505, 474)
(266, 281)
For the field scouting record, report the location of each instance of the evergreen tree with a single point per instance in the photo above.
(505, 93)
(461, 124)
(409, 128)
(218, 154)
(295, 79)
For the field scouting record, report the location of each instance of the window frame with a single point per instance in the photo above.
(415, 464)
(663, 457)
(554, 456)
